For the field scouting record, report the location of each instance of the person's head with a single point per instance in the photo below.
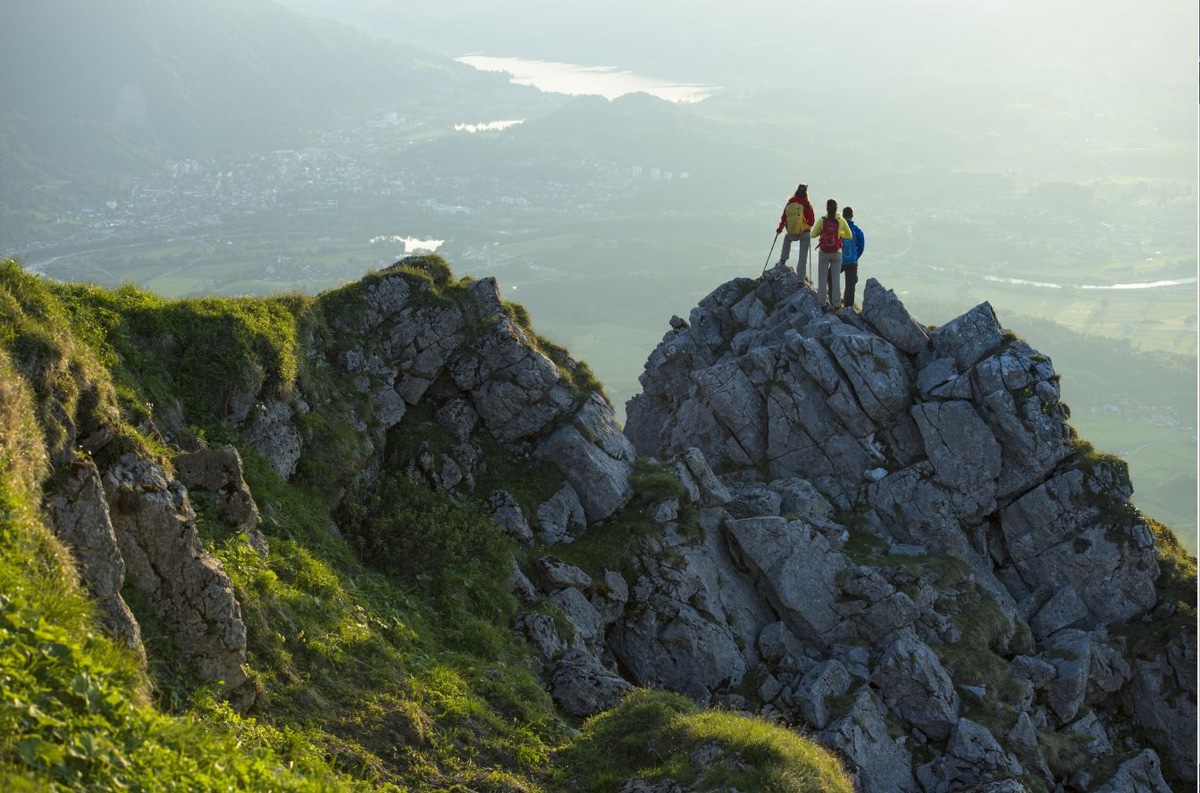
(848, 213)
(831, 208)
(802, 191)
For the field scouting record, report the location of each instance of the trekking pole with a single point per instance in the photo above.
(768, 261)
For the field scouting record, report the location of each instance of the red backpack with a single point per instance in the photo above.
(830, 241)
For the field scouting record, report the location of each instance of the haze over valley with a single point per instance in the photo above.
(1049, 169)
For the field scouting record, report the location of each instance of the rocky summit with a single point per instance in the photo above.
(881, 535)
(905, 549)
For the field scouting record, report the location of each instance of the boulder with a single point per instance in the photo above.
(506, 510)
(973, 757)
(828, 679)
(219, 471)
(272, 434)
(882, 762)
(916, 688)
(967, 339)
(601, 481)
(964, 454)
(1140, 774)
(702, 485)
(561, 517)
(884, 311)
(796, 569)
(583, 686)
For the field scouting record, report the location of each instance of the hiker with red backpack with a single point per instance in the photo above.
(829, 231)
(797, 218)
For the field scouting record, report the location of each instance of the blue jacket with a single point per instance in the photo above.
(853, 249)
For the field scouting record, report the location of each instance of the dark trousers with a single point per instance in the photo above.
(851, 273)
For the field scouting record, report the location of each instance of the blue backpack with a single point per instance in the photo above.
(850, 251)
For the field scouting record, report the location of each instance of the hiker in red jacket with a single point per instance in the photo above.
(797, 218)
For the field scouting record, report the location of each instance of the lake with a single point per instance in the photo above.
(575, 79)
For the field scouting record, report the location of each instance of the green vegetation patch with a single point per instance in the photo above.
(1174, 614)
(612, 545)
(202, 353)
(405, 673)
(656, 735)
(75, 712)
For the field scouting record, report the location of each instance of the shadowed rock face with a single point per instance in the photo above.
(188, 589)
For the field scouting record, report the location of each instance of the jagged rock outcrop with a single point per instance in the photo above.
(908, 510)
(154, 524)
(81, 520)
(219, 471)
(478, 371)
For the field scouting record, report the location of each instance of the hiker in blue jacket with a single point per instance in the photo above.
(852, 251)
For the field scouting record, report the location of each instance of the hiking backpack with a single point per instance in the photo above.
(850, 250)
(830, 240)
(794, 213)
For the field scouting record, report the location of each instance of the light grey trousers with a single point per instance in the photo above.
(804, 238)
(829, 270)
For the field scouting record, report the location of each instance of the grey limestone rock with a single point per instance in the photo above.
(600, 480)
(828, 679)
(155, 528)
(797, 569)
(884, 311)
(1070, 652)
(1140, 774)
(1162, 699)
(964, 453)
(273, 435)
(583, 686)
(555, 574)
(561, 517)
(698, 479)
(968, 338)
(580, 612)
(882, 763)
(517, 391)
(219, 471)
(506, 511)
(916, 687)
(1057, 536)
(973, 757)
(81, 520)
(868, 429)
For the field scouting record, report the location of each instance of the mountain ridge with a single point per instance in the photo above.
(749, 583)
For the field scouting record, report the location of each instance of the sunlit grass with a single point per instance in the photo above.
(653, 735)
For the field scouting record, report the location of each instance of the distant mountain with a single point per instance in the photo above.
(219, 74)
(94, 94)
